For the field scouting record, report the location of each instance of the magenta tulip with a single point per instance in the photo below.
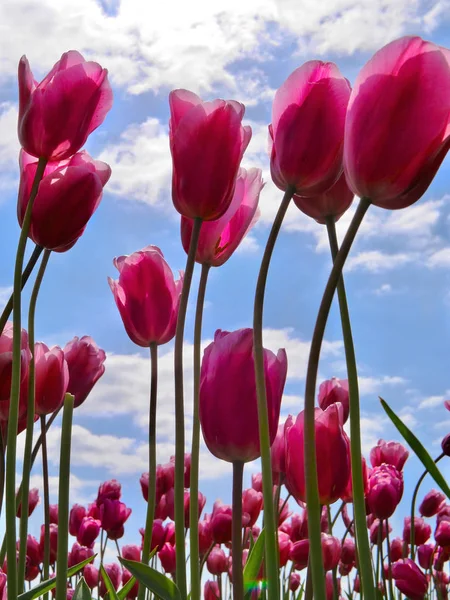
(207, 142)
(431, 503)
(147, 296)
(109, 490)
(422, 531)
(385, 490)
(284, 548)
(217, 561)
(252, 502)
(79, 553)
(442, 534)
(85, 362)
(53, 541)
(133, 593)
(33, 501)
(57, 115)
(396, 549)
(52, 377)
(332, 391)
(307, 130)
(211, 591)
(88, 531)
(348, 552)
(131, 552)
(204, 535)
(397, 126)
(294, 582)
(425, 554)
(115, 574)
(168, 558)
(114, 513)
(6, 352)
(221, 522)
(76, 516)
(228, 404)
(220, 238)
(278, 451)
(409, 579)
(68, 195)
(90, 574)
(54, 513)
(391, 453)
(329, 204)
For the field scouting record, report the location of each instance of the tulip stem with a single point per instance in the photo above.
(2, 469)
(63, 498)
(236, 539)
(23, 531)
(270, 525)
(11, 451)
(25, 275)
(330, 530)
(179, 413)
(311, 481)
(195, 450)
(391, 585)
(46, 565)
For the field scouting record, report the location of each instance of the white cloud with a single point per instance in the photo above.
(9, 146)
(5, 294)
(432, 401)
(384, 289)
(373, 385)
(377, 261)
(249, 245)
(441, 258)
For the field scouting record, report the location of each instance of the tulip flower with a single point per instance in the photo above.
(90, 574)
(133, 593)
(329, 204)
(397, 126)
(167, 557)
(33, 551)
(131, 552)
(207, 142)
(409, 579)
(333, 391)
(391, 453)
(110, 490)
(76, 516)
(442, 534)
(422, 531)
(385, 490)
(217, 561)
(147, 296)
(53, 541)
(431, 503)
(221, 523)
(252, 502)
(68, 195)
(54, 513)
(307, 130)
(425, 554)
(294, 582)
(278, 452)
(159, 535)
(88, 531)
(33, 501)
(114, 513)
(374, 531)
(348, 552)
(211, 591)
(445, 445)
(204, 536)
(52, 377)
(228, 404)
(6, 347)
(257, 481)
(85, 362)
(78, 554)
(220, 238)
(299, 553)
(115, 574)
(57, 115)
(396, 549)
(284, 548)
(333, 464)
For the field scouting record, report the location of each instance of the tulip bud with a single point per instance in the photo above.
(431, 503)
(33, 501)
(88, 531)
(79, 554)
(257, 482)
(348, 552)
(217, 562)
(445, 445)
(204, 536)
(284, 548)
(85, 362)
(294, 582)
(333, 391)
(133, 593)
(113, 516)
(277, 451)
(252, 502)
(329, 204)
(115, 574)
(422, 531)
(111, 490)
(52, 377)
(211, 591)
(425, 553)
(409, 579)
(221, 520)
(391, 453)
(54, 513)
(131, 552)
(76, 516)
(442, 533)
(396, 549)
(167, 557)
(385, 490)
(90, 574)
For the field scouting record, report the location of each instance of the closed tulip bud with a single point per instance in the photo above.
(6, 352)
(221, 237)
(85, 362)
(331, 551)
(409, 579)
(170, 532)
(33, 551)
(252, 502)
(53, 541)
(257, 482)
(391, 453)
(113, 516)
(228, 389)
(110, 490)
(294, 582)
(329, 204)
(147, 296)
(425, 553)
(284, 548)
(52, 377)
(333, 391)
(221, 519)
(396, 549)
(159, 535)
(211, 591)
(204, 536)
(307, 130)
(168, 558)
(333, 468)
(90, 574)
(431, 503)
(203, 135)
(115, 574)
(374, 531)
(348, 552)
(442, 533)
(347, 495)
(88, 531)
(329, 583)
(345, 569)
(76, 516)
(131, 552)
(299, 553)
(385, 490)
(217, 561)
(78, 554)
(54, 513)
(422, 531)
(388, 157)
(133, 593)
(33, 501)
(445, 445)
(278, 451)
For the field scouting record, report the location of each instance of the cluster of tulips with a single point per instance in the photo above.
(383, 141)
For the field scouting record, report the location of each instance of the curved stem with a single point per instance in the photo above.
(270, 524)
(23, 531)
(25, 275)
(195, 450)
(236, 539)
(359, 503)
(13, 417)
(179, 413)
(46, 563)
(312, 492)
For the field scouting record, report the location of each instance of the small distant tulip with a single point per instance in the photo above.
(299, 553)
(422, 531)
(348, 552)
(221, 521)
(78, 554)
(252, 502)
(332, 391)
(396, 549)
(53, 541)
(88, 531)
(33, 551)
(161, 511)
(294, 582)
(385, 490)
(85, 362)
(442, 534)
(431, 503)
(220, 238)
(204, 536)
(445, 445)
(90, 574)
(76, 516)
(133, 593)
(211, 591)
(54, 513)
(217, 561)
(331, 551)
(284, 548)
(329, 583)
(115, 575)
(330, 204)
(257, 482)
(347, 495)
(409, 579)
(110, 490)
(202, 136)
(113, 516)
(391, 453)
(227, 389)
(131, 552)
(283, 511)
(374, 531)
(147, 296)
(278, 451)
(168, 558)
(425, 554)
(52, 377)
(159, 535)
(33, 501)
(6, 352)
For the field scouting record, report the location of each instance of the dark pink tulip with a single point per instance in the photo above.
(307, 130)
(431, 503)
(347, 495)
(131, 552)
(217, 561)
(76, 516)
(252, 502)
(187, 470)
(2, 584)
(348, 552)
(211, 591)
(329, 204)
(331, 551)
(85, 362)
(161, 511)
(52, 377)
(53, 542)
(220, 238)
(391, 453)
(6, 352)
(425, 554)
(331, 448)
(294, 582)
(147, 296)
(33, 501)
(110, 490)
(204, 536)
(115, 574)
(57, 115)
(445, 445)
(88, 531)
(422, 531)
(330, 585)
(396, 131)
(90, 574)
(299, 553)
(283, 511)
(54, 513)
(278, 451)
(257, 482)
(33, 551)
(442, 533)
(374, 531)
(159, 535)
(385, 490)
(409, 579)
(114, 513)
(133, 593)
(167, 557)
(78, 554)
(333, 391)
(207, 142)
(170, 499)
(348, 522)
(284, 548)
(221, 519)
(68, 195)
(396, 549)
(227, 389)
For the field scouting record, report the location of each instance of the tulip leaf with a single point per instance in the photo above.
(49, 584)
(253, 564)
(418, 449)
(122, 593)
(112, 594)
(153, 580)
(82, 591)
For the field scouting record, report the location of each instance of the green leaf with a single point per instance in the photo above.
(253, 564)
(122, 593)
(49, 584)
(82, 591)
(418, 448)
(112, 594)
(153, 580)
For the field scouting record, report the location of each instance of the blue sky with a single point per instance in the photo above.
(398, 274)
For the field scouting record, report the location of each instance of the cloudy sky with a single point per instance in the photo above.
(398, 274)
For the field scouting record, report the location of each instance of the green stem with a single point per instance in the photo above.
(63, 499)
(195, 450)
(312, 492)
(359, 505)
(45, 480)
(151, 501)
(179, 413)
(335, 581)
(2, 470)
(236, 539)
(379, 551)
(391, 585)
(23, 531)
(25, 275)
(11, 451)
(270, 524)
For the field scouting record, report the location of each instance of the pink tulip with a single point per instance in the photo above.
(422, 531)
(294, 582)
(52, 377)
(252, 502)
(396, 549)
(284, 548)
(131, 552)
(85, 362)
(385, 490)
(114, 513)
(221, 521)
(168, 558)
(228, 405)
(204, 536)
(207, 142)
(54, 513)
(307, 130)
(33, 551)
(348, 552)
(68, 195)
(147, 296)
(76, 516)
(88, 531)
(431, 503)
(445, 445)
(333, 464)
(329, 204)
(257, 482)
(409, 579)
(211, 591)
(391, 453)
(332, 391)
(57, 115)
(374, 531)
(299, 554)
(53, 541)
(33, 501)
(425, 554)
(90, 574)
(115, 574)
(78, 554)
(220, 238)
(133, 593)
(217, 561)
(442, 534)
(397, 126)
(347, 495)
(278, 451)
(6, 352)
